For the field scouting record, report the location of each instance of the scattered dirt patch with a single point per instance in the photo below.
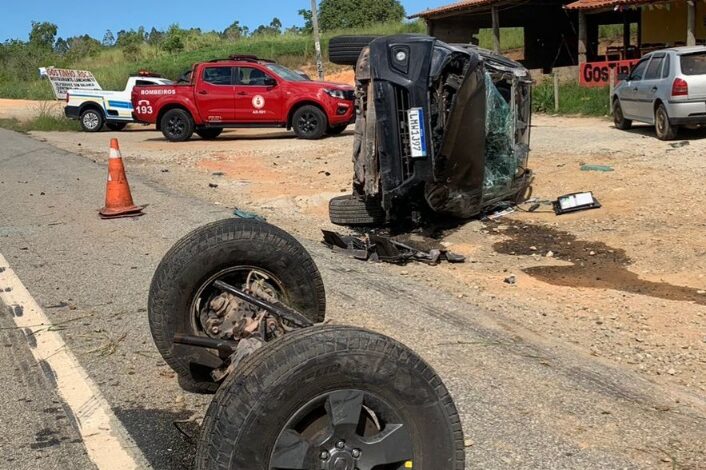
(593, 264)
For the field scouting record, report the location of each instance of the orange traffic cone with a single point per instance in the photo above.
(118, 200)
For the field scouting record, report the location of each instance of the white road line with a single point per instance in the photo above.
(103, 435)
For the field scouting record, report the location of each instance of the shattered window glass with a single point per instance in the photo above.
(501, 161)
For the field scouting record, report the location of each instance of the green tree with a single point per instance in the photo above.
(342, 14)
(308, 22)
(174, 39)
(233, 32)
(274, 28)
(43, 34)
(108, 38)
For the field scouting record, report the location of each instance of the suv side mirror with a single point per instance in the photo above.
(269, 81)
(622, 76)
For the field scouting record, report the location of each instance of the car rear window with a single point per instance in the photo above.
(694, 64)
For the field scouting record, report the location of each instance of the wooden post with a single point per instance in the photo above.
(317, 40)
(583, 38)
(626, 35)
(611, 90)
(494, 13)
(691, 23)
(556, 92)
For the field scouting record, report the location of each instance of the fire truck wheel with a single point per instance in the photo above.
(177, 125)
(309, 122)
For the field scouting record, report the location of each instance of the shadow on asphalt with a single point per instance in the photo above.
(164, 445)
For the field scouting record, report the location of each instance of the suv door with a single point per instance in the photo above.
(215, 94)
(628, 93)
(648, 87)
(258, 96)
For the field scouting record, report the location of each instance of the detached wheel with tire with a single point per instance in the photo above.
(665, 130)
(352, 210)
(92, 120)
(233, 251)
(332, 397)
(116, 126)
(209, 133)
(345, 50)
(177, 125)
(619, 118)
(309, 122)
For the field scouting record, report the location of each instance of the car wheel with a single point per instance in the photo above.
(209, 133)
(177, 125)
(116, 126)
(309, 122)
(92, 120)
(345, 50)
(337, 130)
(352, 210)
(619, 118)
(234, 251)
(665, 130)
(332, 397)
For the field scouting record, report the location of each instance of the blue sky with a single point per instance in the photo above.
(95, 17)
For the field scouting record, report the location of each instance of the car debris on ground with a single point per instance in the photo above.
(378, 248)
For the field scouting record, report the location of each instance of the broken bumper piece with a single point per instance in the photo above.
(384, 249)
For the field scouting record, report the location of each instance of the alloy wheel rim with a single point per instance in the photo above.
(308, 123)
(176, 126)
(90, 120)
(343, 430)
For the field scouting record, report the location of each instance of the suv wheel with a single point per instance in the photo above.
(619, 118)
(345, 50)
(665, 130)
(309, 122)
(353, 210)
(92, 120)
(177, 125)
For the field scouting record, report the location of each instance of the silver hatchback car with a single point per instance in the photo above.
(667, 88)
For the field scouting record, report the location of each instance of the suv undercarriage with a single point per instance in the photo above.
(439, 128)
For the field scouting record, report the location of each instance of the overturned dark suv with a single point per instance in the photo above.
(441, 129)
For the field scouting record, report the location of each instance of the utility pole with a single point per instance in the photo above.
(317, 40)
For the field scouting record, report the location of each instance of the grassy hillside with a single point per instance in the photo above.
(111, 66)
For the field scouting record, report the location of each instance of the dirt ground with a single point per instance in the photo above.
(626, 282)
(24, 110)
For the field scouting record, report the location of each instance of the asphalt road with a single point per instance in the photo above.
(526, 401)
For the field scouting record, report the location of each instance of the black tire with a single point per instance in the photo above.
(309, 122)
(664, 129)
(345, 50)
(344, 365)
(209, 133)
(198, 257)
(116, 126)
(619, 118)
(177, 125)
(337, 130)
(92, 120)
(353, 210)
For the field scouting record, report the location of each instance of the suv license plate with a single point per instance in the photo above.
(417, 142)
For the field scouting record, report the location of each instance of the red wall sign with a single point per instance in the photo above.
(595, 74)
